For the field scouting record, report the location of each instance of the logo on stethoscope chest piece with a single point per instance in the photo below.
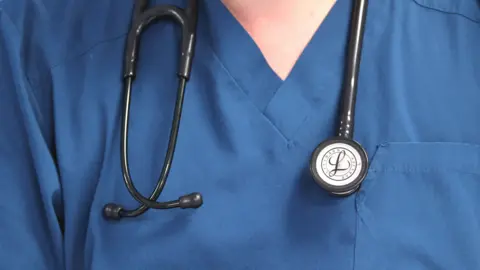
(339, 164)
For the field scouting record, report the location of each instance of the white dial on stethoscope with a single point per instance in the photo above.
(339, 165)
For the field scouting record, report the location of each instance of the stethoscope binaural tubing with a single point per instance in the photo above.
(142, 18)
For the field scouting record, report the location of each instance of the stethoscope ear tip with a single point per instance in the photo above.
(192, 200)
(111, 211)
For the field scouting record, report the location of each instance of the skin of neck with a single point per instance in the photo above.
(250, 11)
(280, 28)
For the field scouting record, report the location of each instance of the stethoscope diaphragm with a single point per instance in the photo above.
(339, 166)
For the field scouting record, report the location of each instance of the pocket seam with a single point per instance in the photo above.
(416, 164)
(425, 170)
(380, 163)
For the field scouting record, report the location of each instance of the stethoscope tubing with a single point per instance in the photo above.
(350, 82)
(151, 201)
(344, 144)
(187, 18)
(142, 18)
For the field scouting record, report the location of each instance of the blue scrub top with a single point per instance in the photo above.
(245, 141)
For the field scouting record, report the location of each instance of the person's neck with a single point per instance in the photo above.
(250, 11)
(280, 28)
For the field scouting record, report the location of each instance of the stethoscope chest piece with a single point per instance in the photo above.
(339, 166)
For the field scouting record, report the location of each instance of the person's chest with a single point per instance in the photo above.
(246, 137)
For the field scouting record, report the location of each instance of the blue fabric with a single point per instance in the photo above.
(245, 142)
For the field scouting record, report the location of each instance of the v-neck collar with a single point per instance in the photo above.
(316, 78)
(245, 62)
(239, 54)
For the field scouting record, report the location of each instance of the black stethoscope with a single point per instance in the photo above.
(338, 164)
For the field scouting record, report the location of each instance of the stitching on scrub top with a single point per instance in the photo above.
(73, 57)
(408, 167)
(443, 10)
(427, 170)
(215, 56)
(88, 49)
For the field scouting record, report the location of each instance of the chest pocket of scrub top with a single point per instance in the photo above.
(419, 208)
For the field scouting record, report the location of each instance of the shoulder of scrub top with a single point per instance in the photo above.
(64, 29)
(55, 31)
(469, 9)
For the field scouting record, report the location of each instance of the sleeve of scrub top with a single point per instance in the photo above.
(30, 234)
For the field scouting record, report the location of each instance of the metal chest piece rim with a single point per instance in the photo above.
(339, 166)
